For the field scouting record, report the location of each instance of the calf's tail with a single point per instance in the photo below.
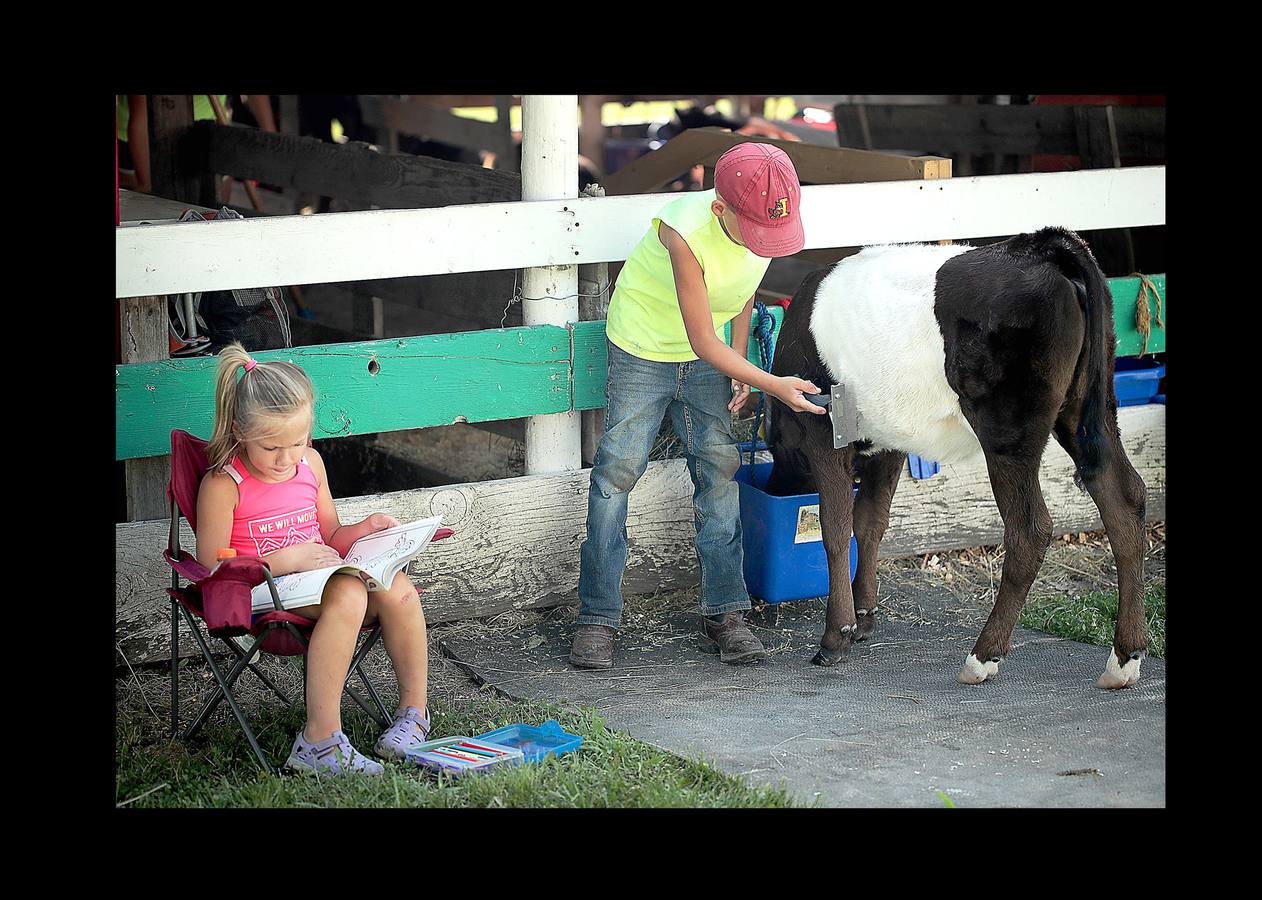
(1099, 407)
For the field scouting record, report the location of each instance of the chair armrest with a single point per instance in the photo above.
(188, 566)
(226, 593)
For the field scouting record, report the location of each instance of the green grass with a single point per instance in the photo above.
(609, 770)
(1091, 617)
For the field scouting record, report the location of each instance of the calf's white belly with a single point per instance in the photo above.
(875, 330)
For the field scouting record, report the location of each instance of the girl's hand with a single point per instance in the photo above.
(740, 391)
(303, 558)
(380, 522)
(789, 390)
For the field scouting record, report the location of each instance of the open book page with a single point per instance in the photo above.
(296, 589)
(384, 553)
(376, 558)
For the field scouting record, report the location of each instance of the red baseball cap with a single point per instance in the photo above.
(761, 186)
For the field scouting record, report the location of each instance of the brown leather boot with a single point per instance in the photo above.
(592, 647)
(732, 640)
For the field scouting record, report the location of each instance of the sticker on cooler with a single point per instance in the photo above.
(808, 527)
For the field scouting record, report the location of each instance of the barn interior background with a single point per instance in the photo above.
(429, 153)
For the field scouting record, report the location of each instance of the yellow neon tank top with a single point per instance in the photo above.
(644, 317)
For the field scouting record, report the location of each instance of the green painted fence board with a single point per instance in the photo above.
(476, 376)
(591, 360)
(1125, 293)
(419, 381)
(591, 364)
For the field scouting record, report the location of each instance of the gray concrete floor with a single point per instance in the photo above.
(890, 728)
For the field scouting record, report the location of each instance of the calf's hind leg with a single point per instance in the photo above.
(834, 476)
(878, 479)
(1121, 497)
(1027, 532)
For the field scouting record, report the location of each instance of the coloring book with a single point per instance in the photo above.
(376, 558)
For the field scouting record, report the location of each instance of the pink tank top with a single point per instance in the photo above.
(271, 516)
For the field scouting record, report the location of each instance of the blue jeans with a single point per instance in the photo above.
(639, 392)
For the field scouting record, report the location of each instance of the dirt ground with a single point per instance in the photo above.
(1074, 565)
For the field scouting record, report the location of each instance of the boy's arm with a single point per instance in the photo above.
(740, 329)
(694, 304)
(740, 343)
(338, 536)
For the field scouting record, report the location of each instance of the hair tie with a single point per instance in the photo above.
(249, 364)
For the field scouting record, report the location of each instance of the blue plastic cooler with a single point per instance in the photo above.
(1135, 381)
(784, 555)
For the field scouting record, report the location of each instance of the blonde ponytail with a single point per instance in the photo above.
(266, 390)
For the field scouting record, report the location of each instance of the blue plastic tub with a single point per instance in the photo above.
(922, 468)
(784, 551)
(535, 741)
(1135, 381)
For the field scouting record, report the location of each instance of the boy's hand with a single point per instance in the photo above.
(789, 390)
(380, 522)
(740, 391)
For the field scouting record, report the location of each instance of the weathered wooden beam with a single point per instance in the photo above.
(815, 164)
(517, 540)
(991, 128)
(417, 117)
(956, 508)
(352, 172)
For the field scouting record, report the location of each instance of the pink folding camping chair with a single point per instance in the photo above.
(222, 602)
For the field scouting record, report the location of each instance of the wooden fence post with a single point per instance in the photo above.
(593, 305)
(176, 161)
(506, 153)
(143, 322)
(549, 171)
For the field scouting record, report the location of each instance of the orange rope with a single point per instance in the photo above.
(1142, 317)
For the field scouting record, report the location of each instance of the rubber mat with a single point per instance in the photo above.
(891, 728)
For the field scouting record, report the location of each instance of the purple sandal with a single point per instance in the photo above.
(331, 756)
(409, 730)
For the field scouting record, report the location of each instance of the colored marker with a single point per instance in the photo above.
(459, 754)
(497, 751)
(463, 760)
(480, 751)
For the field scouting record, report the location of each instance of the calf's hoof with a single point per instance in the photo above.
(975, 671)
(866, 624)
(827, 657)
(1116, 675)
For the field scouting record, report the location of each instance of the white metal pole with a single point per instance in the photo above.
(549, 171)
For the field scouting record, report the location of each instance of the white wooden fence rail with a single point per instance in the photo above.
(202, 256)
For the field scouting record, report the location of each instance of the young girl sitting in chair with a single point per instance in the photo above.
(263, 471)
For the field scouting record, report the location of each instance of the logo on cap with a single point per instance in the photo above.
(780, 210)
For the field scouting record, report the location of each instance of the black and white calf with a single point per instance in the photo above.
(952, 351)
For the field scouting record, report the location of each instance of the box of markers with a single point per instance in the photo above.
(461, 755)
